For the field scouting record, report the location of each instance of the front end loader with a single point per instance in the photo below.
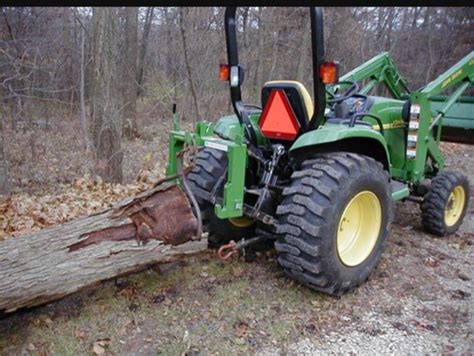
(318, 176)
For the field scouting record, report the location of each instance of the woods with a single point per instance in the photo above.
(113, 71)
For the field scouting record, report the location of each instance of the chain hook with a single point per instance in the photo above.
(227, 251)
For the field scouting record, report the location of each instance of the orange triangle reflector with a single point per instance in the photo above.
(278, 120)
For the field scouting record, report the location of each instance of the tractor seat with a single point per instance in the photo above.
(297, 95)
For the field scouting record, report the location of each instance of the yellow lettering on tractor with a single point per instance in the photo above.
(452, 77)
(397, 124)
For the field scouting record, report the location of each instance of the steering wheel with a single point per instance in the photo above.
(337, 98)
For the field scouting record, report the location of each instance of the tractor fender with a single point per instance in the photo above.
(229, 126)
(331, 138)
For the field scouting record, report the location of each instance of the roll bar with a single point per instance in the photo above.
(317, 49)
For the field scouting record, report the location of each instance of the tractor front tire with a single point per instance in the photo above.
(444, 205)
(333, 221)
(210, 165)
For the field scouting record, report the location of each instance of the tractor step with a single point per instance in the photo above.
(399, 190)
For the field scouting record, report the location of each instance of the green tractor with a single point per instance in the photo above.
(319, 178)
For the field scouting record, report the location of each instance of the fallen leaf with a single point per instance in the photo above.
(431, 262)
(158, 298)
(79, 334)
(100, 345)
(237, 271)
(98, 349)
(424, 325)
(241, 328)
(104, 342)
(460, 294)
(129, 292)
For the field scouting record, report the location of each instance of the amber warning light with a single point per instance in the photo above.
(224, 72)
(329, 72)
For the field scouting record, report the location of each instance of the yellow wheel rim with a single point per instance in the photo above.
(454, 206)
(241, 222)
(359, 228)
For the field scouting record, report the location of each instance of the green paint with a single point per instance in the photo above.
(234, 188)
(229, 126)
(400, 194)
(458, 111)
(390, 112)
(379, 69)
(330, 133)
(462, 70)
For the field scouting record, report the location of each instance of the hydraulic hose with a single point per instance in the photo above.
(191, 196)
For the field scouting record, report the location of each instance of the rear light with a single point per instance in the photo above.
(224, 72)
(329, 72)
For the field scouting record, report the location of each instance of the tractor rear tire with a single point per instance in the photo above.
(333, 221)
(210, 166)
(445, 204)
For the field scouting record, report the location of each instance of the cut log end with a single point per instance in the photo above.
(165, 215)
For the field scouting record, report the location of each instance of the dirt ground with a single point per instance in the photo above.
(418, 300)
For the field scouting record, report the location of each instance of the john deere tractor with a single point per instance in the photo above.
(318, 176)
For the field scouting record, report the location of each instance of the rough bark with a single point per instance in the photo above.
(143, 48)
(156, 226)
(82, 101)
(4, 176)
(130, 125)
(191, 80)
(106, 123)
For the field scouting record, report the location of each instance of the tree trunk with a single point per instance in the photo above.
(82, 101)
(182, 21)
(156, 226)
(106, 123)
(143, 48)
(302, 58)
(130, 127)
(4, 176)
(259, 62)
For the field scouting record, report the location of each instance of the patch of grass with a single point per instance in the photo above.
(172, 348)
(204, 297)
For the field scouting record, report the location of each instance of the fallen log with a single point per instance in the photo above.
(155, 226)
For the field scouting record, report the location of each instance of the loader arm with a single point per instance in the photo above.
(426, 119)
(379, 70)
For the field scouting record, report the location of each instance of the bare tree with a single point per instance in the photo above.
(4, 176)
(130, 92)
(182, 20)
(144, 46)
(105, 113)
(82, 102)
